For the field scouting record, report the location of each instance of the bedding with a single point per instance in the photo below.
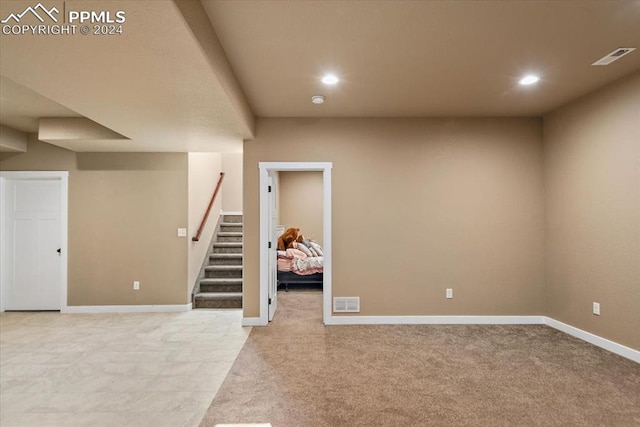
(301, 264)
(301, 247)
(317, 248)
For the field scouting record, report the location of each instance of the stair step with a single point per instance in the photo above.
(229, 236)
(223, 267)
(218, 295)
(214, 281)
(226, 256)
(227, 247)
(218, 300)
(225, 259)
(236, 219)
(222, 285)
(231, 224)
(217, 285)
(223, 271)
(221, 289)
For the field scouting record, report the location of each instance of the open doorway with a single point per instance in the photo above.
(299, 219)
(269, 233)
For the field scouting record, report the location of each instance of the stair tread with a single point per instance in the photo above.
(218, 295)
(225, 259)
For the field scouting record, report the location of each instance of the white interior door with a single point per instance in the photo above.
(32, 245)
(273, 248)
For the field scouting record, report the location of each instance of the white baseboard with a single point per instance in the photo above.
(230, 212)
(435, 320)
(253, 321)
(126, 308)
(611, 346)
(604, 343)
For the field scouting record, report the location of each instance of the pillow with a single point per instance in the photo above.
(295, 253)
(311, 249)
(304, 249)
(317, 248)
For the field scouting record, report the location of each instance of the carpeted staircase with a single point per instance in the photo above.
(222, 285)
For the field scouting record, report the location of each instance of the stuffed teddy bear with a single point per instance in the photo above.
(290, 235)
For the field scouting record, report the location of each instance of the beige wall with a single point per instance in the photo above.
(204, 174)
(301, 202)
(124, 210)
(592, 199)
(12, 140)
(232, 188)
(419, 205)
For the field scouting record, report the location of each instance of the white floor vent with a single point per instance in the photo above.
(346, 305)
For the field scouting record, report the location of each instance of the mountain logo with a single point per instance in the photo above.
(34, 11)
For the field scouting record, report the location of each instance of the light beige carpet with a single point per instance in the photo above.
(297, 372)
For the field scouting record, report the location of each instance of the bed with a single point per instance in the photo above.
(286, 278)
(301, 266)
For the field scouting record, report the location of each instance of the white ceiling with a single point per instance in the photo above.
(153, 84)
(21, 108)
(167, 86)
(422, 58)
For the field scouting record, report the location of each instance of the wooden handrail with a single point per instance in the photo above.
(206, 214)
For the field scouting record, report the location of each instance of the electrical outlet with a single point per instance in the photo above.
(182, 232)
(596, 308)
(136, 286)
(449, 293)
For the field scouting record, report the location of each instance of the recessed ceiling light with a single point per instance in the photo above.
(330, 79)
(317, 99)
(529, 80)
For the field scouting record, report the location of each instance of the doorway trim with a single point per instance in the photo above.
(63, 177)
(265, 169)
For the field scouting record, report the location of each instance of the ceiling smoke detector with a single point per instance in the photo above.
(317, 99)
(613, 56)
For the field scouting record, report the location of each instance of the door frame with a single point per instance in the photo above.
(265, 168)
(272, 293)
(63, 177)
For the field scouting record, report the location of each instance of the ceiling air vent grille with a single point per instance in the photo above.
(616, 54)
(346, 304)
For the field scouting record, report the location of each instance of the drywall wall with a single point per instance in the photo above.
(124, 211)
(592, 205)
(419, 205)
(204, 174)
(12, 140)
(301, 202)
(232, 187)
